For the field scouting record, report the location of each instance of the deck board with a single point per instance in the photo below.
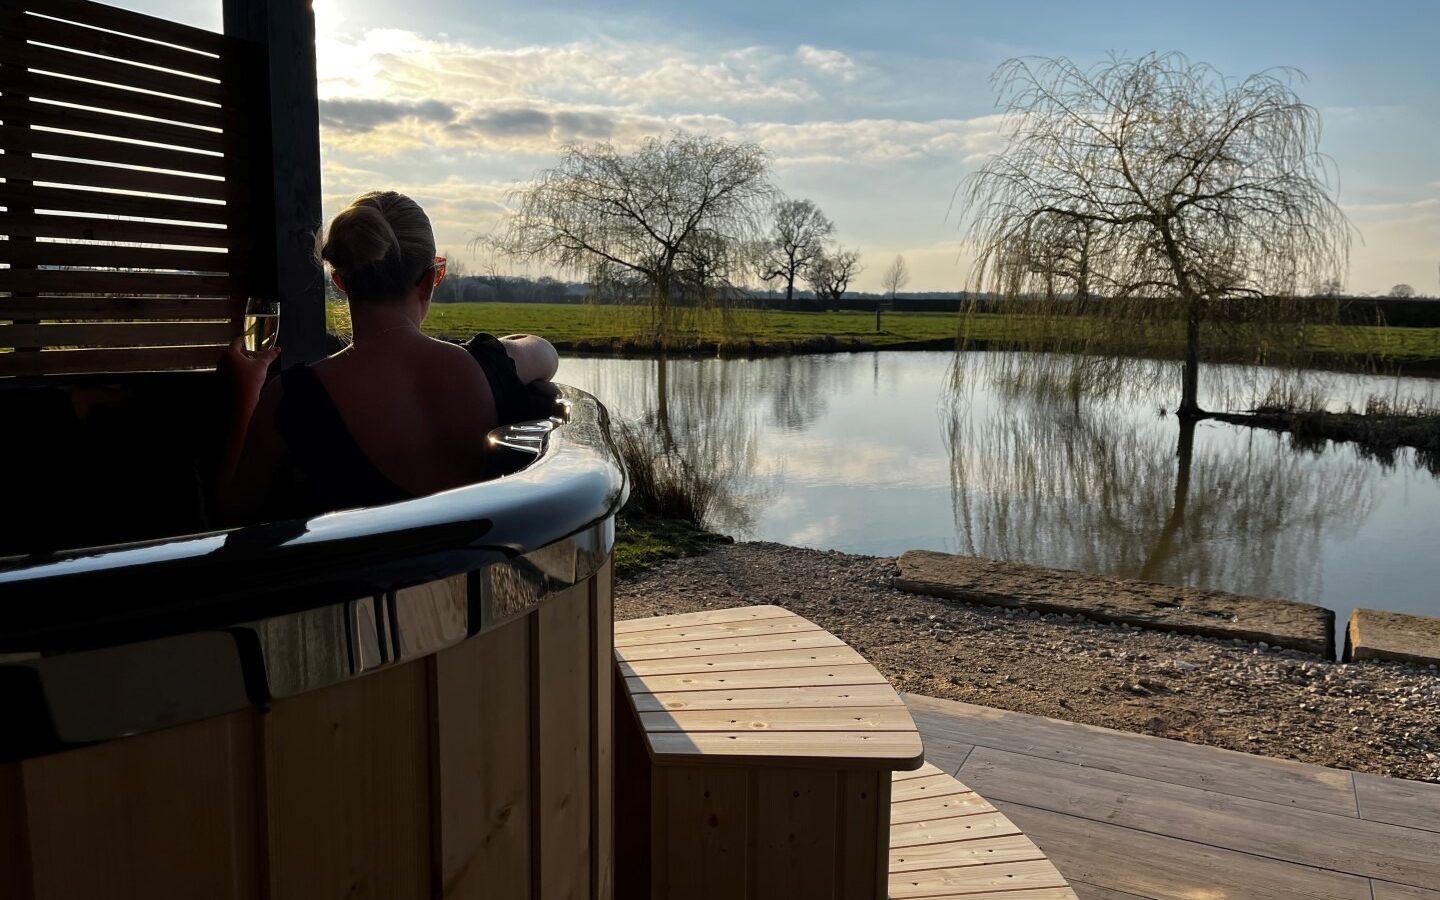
(1176, 762)
(1132, 817)
(1344, 844)
(1413, 804)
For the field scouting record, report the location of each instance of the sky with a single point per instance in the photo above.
(876, 112)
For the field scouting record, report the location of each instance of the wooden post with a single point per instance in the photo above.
(286, 171)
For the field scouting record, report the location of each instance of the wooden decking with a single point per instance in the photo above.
(1126, 816)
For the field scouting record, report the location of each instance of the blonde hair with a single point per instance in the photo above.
(379, 245)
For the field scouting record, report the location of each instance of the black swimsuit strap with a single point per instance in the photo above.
(334, 468)
(512, 399)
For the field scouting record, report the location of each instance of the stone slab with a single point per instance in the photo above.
(1280, 623)
(1397, 637)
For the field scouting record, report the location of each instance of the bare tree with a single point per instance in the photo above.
(1200, 193)
(1403, 291)
(830, 274)
(895, 277)
(797, 239)
(640, 212)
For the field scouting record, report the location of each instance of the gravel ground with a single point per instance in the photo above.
(1371, 717)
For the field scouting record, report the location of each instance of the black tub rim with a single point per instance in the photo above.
(108, 595)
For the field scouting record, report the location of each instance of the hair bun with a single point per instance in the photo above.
(380, 244)
(360, 236)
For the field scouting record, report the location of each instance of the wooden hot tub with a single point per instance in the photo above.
(406, 701)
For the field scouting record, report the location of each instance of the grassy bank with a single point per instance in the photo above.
(616, 330)
(643, 540)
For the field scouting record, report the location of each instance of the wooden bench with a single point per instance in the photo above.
(760, 756)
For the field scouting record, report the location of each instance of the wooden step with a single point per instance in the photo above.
(947, 842)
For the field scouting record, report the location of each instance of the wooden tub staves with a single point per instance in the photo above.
(410, 701)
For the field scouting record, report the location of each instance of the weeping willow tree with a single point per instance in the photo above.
(1146, 204)
(655, 216)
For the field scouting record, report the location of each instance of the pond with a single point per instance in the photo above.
(879, 453)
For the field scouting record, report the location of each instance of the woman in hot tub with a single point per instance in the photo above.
(396, 414)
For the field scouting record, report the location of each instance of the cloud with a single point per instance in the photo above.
(831, 62)
(356, 115)
(531, 121)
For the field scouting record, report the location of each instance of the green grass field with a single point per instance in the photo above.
(571, 323)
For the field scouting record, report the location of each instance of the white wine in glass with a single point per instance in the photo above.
(262, 324)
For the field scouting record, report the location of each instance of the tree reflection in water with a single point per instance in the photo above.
(1045, 470)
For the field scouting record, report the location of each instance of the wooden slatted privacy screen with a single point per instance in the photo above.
(128, 222)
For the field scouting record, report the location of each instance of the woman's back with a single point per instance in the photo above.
(395, 415)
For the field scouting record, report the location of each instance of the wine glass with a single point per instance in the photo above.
(262, 323)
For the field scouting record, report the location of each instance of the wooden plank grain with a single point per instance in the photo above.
(166, 814)
(78, 228)
(722, 645)
(810, 676)
(69, 281)
(78, 65)
(336, 828)
(563, 697)
(157, 334)
(1384, 890)
(795, 841)
(111, 124)
(116, 308)
(108, 43)
(1015, 877)
(987, 851)
(128, 359)
(1165, 868)
(881, 749)
(856, 718)
(1369, 849)
(123, 20)
(602, 711)
(819, 696)
(912, 812)
(1413, 804)
(702, 821)
(771, 661)
(708, 617)
(746, 628)
(863, 817)
(107, 150)
(100, 203)
(1175, 762)
(483, 752)
(951, 826)
(88, 175)
(39, 85)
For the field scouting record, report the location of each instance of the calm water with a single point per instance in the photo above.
(880, 453)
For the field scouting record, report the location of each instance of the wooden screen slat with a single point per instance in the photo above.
(63, 62)
(29, 140)
(125, 21)
(68, 281)
(97, 202)
(91, 334)
(85, 229)
(49, 253)
(64, 90)
(129, 359)
(64, 34)
(110, 125)
(86, 175)
(167, 308)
